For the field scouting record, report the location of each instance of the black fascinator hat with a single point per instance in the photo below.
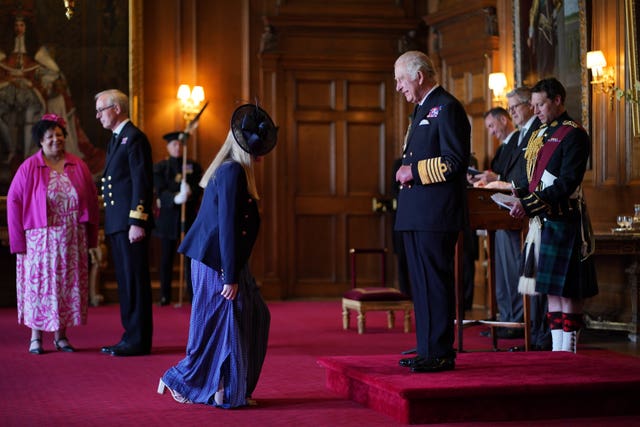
(254, 130)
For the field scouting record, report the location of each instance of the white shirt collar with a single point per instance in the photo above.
(527, 125)
(120, 126)
(504, 141)
(428, 93)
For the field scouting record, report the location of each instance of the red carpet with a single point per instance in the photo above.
(90, 389)
(493, 386)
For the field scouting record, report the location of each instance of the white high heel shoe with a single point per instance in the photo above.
(218, 397)
(176, 396)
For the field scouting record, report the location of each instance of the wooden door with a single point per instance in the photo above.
(339, 154)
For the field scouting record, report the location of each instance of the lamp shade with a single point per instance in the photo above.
(184, 92)
(197, 94)
(595, 59)
(497, 83)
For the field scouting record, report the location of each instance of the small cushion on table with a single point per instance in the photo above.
(375, 294)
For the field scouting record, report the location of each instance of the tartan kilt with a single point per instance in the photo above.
(561, 271)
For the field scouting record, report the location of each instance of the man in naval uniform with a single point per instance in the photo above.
(127, 189)
(432, 206)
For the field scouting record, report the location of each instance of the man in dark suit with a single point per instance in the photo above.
(432, 206)
(521, 110)
(173, 190)
(127, 189)
(506, 166)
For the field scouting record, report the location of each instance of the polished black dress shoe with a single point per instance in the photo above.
(409, 362)
(124, 350)
(437, 364)
(109, 348)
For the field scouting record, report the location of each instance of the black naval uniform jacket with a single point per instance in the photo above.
(223, 234)
(127, 182)
(167, 176)
(438, 149)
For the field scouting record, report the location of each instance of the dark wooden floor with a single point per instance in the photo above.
(612, 340)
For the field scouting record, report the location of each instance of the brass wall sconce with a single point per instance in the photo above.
(69, 5)
(602, 78)
(190, 100)
(498, 84)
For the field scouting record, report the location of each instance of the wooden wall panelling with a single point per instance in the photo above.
(331, 81)
(269, 260)
(610, 166)
(349, 9)
(613, 181)
(466, 43)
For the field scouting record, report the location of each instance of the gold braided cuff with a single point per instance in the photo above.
(534, 205)
(139, 213)
(432, 170)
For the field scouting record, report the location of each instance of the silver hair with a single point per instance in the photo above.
(115, 96)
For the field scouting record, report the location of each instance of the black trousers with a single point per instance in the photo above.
(431, 261)
(167, 256)
(131, 264)
(540, 333)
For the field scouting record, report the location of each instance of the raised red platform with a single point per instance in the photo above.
(492, 386)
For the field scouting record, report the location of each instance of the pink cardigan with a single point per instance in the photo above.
(27, 199)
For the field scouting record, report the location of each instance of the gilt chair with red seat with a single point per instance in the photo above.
(374, 298)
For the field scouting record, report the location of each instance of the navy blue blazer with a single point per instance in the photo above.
(127, 182)
(438, 149)
(226, 228)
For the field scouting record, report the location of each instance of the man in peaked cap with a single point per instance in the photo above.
(171, 194)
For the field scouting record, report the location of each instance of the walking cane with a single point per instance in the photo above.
(184, 136)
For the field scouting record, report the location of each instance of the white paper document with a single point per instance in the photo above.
(504, 200)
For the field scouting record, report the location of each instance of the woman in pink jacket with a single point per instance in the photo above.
(52, 211)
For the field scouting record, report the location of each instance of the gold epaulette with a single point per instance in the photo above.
(138, 213)
(432, 170)
(570, 123)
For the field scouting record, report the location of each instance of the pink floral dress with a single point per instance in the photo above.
(52, 276)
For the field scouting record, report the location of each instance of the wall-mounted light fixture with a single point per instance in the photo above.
(498, 84)
(190, 100)
(69, 6)
(602, 78)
